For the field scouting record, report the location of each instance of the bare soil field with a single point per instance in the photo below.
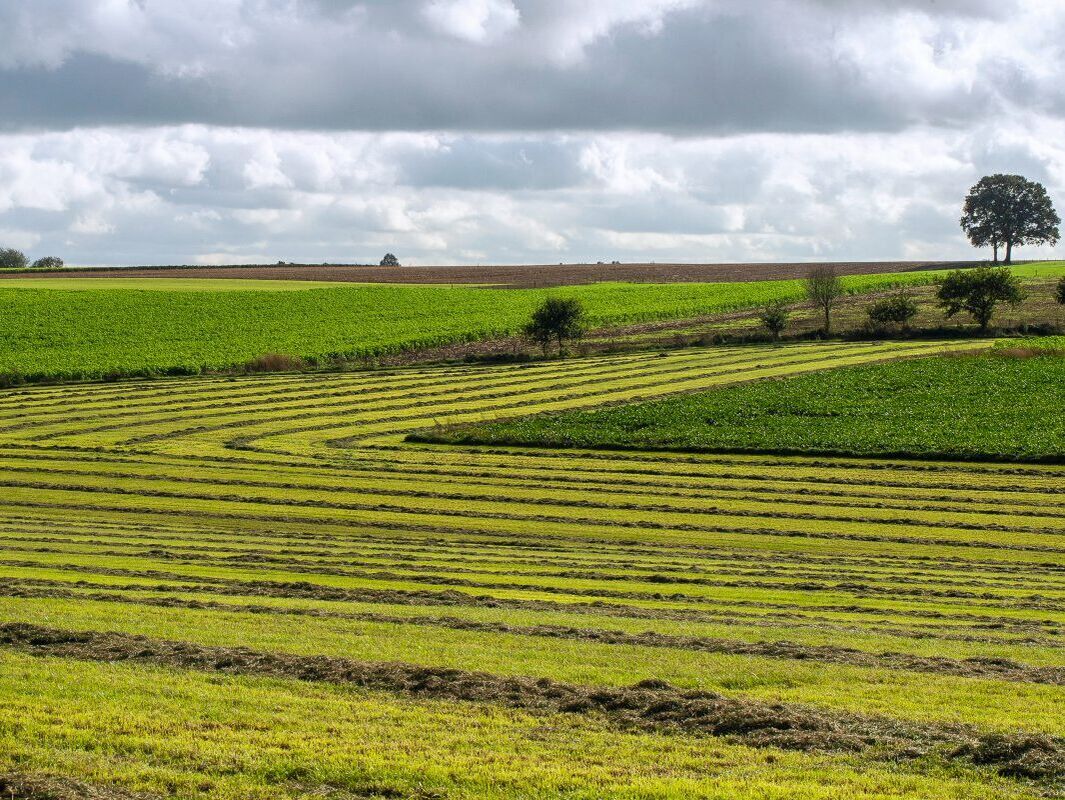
(524, 276)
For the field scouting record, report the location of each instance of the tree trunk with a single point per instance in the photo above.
(1009, 252)
(828, 320)
(983, 316)
(996, 252)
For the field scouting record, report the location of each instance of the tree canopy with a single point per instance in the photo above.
(898, 309)
(1010, 211)
(978, 291)
(774, 317)
(389, 260)
(557, 319)
(823, 288)
(10, 258)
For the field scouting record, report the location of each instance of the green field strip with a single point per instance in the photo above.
(606, 393)
(910, 615)
(513, 517)
(957, 574)
(416, 555)
(627, 492)
(842, 626)
(991, 705)
(842, 623)
(953, 475)
(896, 350)
(266, 388)
(1043, 596)
(499, 474)
(639, 477)
(329, 738)
(634, 378)
(371, 392)
(768, 541)
(91, 333)
(961, 579)
(572, 625)
(268, 385)
(555, 499)
(823, 599)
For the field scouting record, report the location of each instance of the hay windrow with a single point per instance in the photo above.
(977, 667)
(16, 786)
(648, 705)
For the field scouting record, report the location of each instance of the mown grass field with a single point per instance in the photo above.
(253, 587)
(994, 406)
(70, 328)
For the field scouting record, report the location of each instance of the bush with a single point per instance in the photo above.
(774, 317)
(556, 319)
(978, 291)
(1059, 293)
(898, 310)
(275, 362)
(389, 260)
(48, 262)
(10, 258)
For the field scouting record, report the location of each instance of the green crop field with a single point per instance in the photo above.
(254, 587)
(989, 407)
(63, 328)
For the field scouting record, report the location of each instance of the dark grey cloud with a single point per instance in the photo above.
(686, 66)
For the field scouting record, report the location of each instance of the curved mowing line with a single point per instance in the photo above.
(513, 516)
(805, 500)
(297, 486)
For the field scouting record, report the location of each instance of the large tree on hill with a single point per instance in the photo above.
(1010, 211)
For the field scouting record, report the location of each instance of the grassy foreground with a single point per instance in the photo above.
(799, 627)
(89, 328)
(991, 407)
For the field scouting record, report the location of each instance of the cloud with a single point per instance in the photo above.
(698, 67)
(199, 194)
(473, 20)
(160, 131)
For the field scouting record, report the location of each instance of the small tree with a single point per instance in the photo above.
(10, 258)
(823, 289)
(389, 261)
(48, 262)
(1059, 292)
(557, 319)
(774, 317)
(1009, 210)
(898, 309)
(978, 291)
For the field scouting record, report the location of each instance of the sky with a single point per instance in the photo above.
(519, 131)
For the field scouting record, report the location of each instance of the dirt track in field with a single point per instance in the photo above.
(531, 275)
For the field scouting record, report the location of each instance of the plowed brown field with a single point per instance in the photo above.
(529, 275)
